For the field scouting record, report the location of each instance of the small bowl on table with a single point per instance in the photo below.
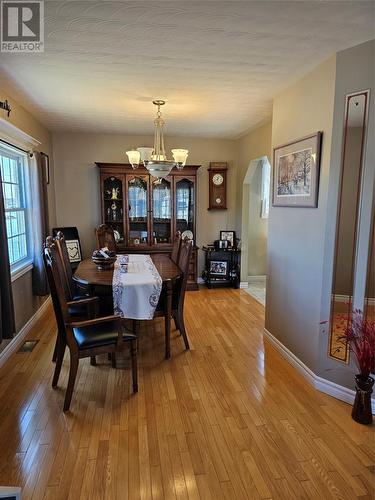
(102, 262)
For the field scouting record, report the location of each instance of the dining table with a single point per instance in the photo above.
(88, 274)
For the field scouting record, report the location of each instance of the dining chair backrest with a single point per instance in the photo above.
(176, 247)
(184, 264)
(105, 237)
(64, 257)
(55, 275)
(71, 239)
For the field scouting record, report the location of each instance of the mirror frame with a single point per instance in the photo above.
(370, 264)
(342, 353)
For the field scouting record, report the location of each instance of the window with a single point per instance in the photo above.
(17, 213)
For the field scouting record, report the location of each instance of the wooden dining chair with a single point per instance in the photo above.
(184, 258)
(74, 295)
(176, 247)
(71, 289)
(84, 338)
(105, 238)
(73, 241)
(178, 295)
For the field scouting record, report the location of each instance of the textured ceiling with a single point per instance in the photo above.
(217, 64)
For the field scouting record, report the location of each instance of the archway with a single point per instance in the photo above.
(255, 203)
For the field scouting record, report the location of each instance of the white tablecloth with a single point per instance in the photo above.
(136, 292)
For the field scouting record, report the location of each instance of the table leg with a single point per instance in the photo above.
(167, 319)
(93, 314)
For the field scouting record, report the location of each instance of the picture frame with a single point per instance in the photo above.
(74, 250)
(296, 172)
(229, 236)
(44, 158)
(218, 267)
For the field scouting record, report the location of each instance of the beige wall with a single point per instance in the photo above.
(257, 228)
(250, 226)
(77, 181)
(25, 303)
(255, 144)
(296, 235)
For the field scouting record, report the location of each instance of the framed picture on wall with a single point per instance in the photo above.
(296, 172)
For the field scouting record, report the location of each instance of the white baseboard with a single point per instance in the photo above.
(345, 298)
(257, 279)
(19, 338)
(321, 384)
(244, 284)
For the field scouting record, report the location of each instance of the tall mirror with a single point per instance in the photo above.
(347, 220)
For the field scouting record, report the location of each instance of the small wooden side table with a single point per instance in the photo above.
(222, 267)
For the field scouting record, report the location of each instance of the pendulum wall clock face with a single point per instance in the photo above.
(217, 178)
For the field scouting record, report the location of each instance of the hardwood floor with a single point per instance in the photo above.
(229, 419)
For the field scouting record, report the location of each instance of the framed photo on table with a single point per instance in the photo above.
(229, 236)
(296, 169)
(218, 267)
(74, 250)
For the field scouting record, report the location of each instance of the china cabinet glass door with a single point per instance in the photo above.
(185, 207)
(162, 211)
(138, 202)
(113, 202)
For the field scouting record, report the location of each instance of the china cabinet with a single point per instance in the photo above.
(145, 213)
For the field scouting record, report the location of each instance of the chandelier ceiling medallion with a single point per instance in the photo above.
(155, 159)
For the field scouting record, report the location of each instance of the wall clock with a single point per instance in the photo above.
(217, 181)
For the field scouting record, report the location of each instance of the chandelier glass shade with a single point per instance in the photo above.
(155, 159)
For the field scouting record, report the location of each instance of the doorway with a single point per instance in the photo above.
(255, 210)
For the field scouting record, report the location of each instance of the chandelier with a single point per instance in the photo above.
(155, 159)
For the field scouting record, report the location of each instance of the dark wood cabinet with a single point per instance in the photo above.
(217, 182)
(147, 213)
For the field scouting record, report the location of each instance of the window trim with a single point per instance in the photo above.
(26, 264)
(22, 268)
(25, 195)
(14, 135)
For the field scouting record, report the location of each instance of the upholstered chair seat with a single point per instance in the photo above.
(99, 335)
